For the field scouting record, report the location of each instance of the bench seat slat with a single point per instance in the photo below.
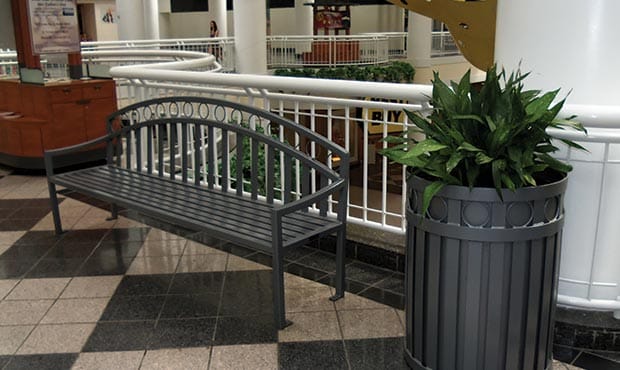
(243, 207)
(182, 200)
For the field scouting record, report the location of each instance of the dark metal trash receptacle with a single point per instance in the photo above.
(481, 277)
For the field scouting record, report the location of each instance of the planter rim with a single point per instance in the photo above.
(483, 194)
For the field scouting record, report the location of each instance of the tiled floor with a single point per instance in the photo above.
(127, 294)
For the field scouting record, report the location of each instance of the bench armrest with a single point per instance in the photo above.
(48, 155)
(309, 200)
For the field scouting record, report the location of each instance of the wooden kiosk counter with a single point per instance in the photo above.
(51, 116)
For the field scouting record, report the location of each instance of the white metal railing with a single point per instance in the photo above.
(321, 51)
(443, 44)
(343, 111)
(53, 66)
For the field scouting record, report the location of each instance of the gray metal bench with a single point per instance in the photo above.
(221, 167)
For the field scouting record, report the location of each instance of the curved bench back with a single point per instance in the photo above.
(227, 146)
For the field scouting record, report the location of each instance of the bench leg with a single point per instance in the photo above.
(340, 268)
(278, 290)
(114, 212)
(55, 210)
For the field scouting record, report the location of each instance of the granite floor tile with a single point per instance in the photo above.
(27, 251)
(17, 225)
(247, 293)
(92, 236)
(65, 338)
(56, 268)
(6, 286)
(393, 283)
(93, 223)
(97, 266)
(10, 237)
(15, 268)
(38, 238)
(197, 283)
(55, 361)
(309, 299)
(154, 265)
(247, 356)
(311, 326)
(126, 235)
(296, 282)
(160, 248)
(64, 249)
(241, 264)
(355, 324)
(321, 261)
(144, 285)
(38, 289)
(76, 310)
(237, 250)
(389, 298)
(4, 360)
(202, 263)
(91, 287)
(120, 336)
(12, 337)
(364, 273)
(312, 355)
(305, 272)
(376, 353)
(124, 360)
(354, 302)
(245, 330)
(130, 308)
(126, 223)
(23, 312)
(350, 286)
(194, 247)
(182, 333)
(191, 306)
(590, 361)
(29, 213)
(121, 248)
(47, 223)
(177, 359)
(157, 234)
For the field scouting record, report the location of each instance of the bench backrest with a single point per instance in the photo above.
(228, 146)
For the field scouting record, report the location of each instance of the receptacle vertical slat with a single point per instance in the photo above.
(160, 149)
(149, 150)
(211, 157)
(270, 174)
(197, 153)
(184, 151)
(254, 167)
(225, 165)
(239, 156)
(172, 150)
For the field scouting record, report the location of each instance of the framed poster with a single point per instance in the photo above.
(53, 26)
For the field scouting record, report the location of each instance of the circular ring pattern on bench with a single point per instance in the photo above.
(188, 109)
(203, 111)
(220, 113)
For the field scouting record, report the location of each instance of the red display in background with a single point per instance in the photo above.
(328, 19)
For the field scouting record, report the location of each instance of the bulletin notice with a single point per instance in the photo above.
(53, 26)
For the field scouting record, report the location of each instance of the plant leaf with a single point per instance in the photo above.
(429, 192)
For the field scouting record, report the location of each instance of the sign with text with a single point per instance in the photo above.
(378, 116)
(54, 26)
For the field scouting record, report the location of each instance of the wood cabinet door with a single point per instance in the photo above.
(95, 113)
(67, 126)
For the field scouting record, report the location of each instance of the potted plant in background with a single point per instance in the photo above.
(484, 214)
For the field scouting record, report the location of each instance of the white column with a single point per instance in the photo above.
(250, 24)
(304, 18)
(130, 20)
(151, 19)
(576, 50)
(217, 11)
(419, 39)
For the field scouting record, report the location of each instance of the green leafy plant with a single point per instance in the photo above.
(493, 136)
(397, 72)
